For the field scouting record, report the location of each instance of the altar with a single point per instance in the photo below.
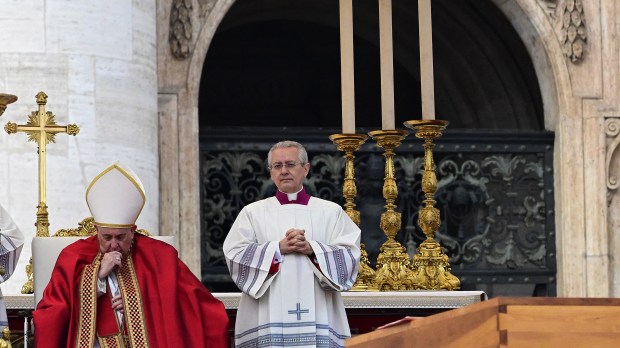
(366, 310)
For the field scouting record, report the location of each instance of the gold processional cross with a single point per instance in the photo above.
(42, 129)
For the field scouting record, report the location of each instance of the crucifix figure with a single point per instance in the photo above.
(41, 128)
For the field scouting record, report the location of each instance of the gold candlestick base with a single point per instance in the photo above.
(6, 99)
(366, 276)
(430, 265)
(350, 143)
(393, 272)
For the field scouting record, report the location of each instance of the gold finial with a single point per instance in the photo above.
(6, 99)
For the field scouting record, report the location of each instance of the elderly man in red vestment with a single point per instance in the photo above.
(123, 289)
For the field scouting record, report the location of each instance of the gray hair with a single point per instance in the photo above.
(303, 155)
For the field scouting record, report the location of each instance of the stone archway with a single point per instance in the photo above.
(582, 238)
(179, 89)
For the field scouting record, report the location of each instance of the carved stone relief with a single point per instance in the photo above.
(573, 34)
(206, 6)
(549, 6)
(180, 28)
(569, 18)
(612, 131)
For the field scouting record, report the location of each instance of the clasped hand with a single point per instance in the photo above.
(108, 262)
(294, 241)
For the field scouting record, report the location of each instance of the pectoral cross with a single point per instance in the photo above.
(42, 129)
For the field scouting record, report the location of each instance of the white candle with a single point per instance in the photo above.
(346, 67)
(426, 59)
(25, 332)
(387, 64)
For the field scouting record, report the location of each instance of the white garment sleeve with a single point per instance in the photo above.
(278, 258)
(248, 261)
(11, 244)
(339, 257)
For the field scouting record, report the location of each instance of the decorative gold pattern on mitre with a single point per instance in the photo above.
(129, 176)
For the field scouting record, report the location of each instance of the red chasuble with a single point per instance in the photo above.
(165, 305)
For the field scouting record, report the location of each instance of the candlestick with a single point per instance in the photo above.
(346, 67)
(393, 272)
(426, 59)
(431, 265)
(350, 143)
(387, 64)
(26, 332)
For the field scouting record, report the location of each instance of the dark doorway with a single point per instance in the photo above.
(277, 63)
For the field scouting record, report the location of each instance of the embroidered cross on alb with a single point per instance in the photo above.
(298, 311)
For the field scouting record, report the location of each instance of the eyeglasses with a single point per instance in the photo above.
(287, 165)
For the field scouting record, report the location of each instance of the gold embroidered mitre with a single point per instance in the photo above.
(115, 197)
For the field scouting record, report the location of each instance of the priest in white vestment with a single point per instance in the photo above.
(11, 243)
(291, 255)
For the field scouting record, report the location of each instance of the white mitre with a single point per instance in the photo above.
(115, 197)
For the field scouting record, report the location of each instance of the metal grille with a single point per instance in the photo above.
(495, 194)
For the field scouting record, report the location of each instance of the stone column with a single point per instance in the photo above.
(96, 61)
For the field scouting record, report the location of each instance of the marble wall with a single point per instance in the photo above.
(96, 61)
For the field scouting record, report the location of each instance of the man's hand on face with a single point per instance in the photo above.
(294, 241)
(109, 261)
